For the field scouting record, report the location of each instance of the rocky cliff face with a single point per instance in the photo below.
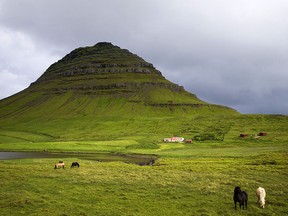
(104, 66)
(103, 58)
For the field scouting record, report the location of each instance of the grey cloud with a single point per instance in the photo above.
(228, 51)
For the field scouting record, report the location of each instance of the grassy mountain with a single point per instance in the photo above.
(104, 92)
(102, 80)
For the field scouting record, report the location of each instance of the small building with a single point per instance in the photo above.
(262, 134)
(177, 139)
(167, 139)
(244, 135)
(174, 139)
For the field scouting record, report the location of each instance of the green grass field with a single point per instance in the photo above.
(188, 179)
(199, 185)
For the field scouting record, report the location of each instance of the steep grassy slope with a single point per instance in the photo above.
(98, 79)
(104, 93)
(93, 86)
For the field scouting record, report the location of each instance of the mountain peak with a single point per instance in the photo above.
(104, 57)
(104, 44)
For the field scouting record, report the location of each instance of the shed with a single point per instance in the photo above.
(244, 135)
(262, 134)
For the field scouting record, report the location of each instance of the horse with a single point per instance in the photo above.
(241, 197)
(59, 165)
(74, 164)
(261, 194)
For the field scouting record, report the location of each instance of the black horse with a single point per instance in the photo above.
(74, 164)
(241, 197)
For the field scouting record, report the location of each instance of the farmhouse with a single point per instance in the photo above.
(262, 134)
(174, 139)
(243, 135)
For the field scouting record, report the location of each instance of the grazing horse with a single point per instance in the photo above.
(241, 197)
(261, 194)
(59, 165)
(74, 164)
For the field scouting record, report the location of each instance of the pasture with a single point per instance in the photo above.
(188, 179)
(202, 184)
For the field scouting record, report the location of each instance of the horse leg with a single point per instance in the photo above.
(241, 204)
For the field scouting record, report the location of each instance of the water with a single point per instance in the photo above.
(105, 157)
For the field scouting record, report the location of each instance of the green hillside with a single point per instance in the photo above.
(103, 93)
(93, 87)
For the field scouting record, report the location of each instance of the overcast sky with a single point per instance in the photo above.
(229, 52)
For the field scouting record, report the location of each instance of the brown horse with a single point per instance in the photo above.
(59, 165)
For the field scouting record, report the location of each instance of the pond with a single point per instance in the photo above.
(104, 157)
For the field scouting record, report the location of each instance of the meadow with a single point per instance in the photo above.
(187, 179)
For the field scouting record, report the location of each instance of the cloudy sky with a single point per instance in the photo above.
(230, 52)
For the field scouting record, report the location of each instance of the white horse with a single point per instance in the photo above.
(261, 194)
(59, 165)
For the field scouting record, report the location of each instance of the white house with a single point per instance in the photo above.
(174, 139)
